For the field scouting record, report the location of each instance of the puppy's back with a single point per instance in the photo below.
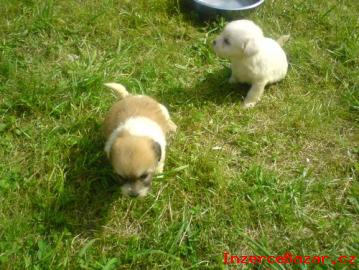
(132, 106)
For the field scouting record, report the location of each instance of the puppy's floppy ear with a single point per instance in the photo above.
(251, 46)
(157, 149)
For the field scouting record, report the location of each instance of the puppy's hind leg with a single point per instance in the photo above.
(171, 125)
(161, 163)
(254, 95)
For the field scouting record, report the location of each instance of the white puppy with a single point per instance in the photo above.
(135, 129)
(255, 59)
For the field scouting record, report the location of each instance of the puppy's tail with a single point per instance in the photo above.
(283, 40)
(119, 88)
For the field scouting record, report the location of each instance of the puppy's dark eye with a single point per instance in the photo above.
(144, 176)
(145, 179)
(120, 178)
(226, 41)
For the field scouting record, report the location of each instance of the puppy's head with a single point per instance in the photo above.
(134, 160)
(239, 39)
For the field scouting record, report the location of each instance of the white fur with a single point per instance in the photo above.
(255, 59)
(144, 127)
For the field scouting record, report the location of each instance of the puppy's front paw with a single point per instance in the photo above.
(159, 168)
(247, 105)
(232, 80)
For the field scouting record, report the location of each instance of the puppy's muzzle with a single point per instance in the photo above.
(133, 194)
(136, 188)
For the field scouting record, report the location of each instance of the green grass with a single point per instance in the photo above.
(280, 177)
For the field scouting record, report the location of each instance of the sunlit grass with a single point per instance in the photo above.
(280, 177)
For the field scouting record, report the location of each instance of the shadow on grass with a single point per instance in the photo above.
(89, 187)
(212, 87)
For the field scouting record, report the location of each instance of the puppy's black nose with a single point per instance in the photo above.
(133, 194)
(213, 42)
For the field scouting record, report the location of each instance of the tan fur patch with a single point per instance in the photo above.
(132, 156)
(132, 106)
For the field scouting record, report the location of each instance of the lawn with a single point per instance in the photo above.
(281, 177)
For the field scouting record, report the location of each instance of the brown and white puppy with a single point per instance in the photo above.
(135, 129)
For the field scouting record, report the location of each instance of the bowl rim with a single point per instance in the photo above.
(202, 2)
